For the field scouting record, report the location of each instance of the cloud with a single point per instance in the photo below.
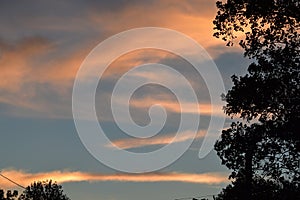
(37, 60)
(129, 143)
(25, 178)
(134, 58)
(51, 61)
(14, 61)
(193, 18)
(174, 106)
(36, 77)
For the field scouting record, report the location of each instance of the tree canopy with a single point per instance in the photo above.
(262, 189)
(46, 190)
(268, 25)
(9, 195)
(267, 145)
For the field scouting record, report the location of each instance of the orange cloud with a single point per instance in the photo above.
(37, 61)
(174, 106)
(16, 59)
(29, 65)
(193, 18)
(28, 60)
(129, 143)
(24, 178)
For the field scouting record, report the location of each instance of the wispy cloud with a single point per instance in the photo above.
(129, 143)
(25, 178)
(29, 64)
(31, 69)
(16, 59)
(174, 106)
(192, 18)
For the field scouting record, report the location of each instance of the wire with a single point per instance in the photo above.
(17, 184)
(209, 195)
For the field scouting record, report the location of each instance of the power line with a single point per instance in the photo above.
(209, 195)
(17, 184)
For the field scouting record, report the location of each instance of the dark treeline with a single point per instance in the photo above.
(46, 190)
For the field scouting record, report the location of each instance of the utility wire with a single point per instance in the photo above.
(17, 184)
(209, 195)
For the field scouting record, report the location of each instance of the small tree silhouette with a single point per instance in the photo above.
(46, 190)
(9, 195)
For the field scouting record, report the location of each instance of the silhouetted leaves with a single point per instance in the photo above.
(265, 150)
(46, 190)
(261, 189)
(9, 195)
(268, 25)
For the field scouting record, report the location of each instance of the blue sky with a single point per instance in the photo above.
(43, 44)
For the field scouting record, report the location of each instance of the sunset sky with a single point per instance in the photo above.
(42, 46)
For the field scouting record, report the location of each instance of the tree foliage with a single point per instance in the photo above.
(268, 25)
(271, 157)
(9, 195)
(267, 145)
(46, 190)
(262, 189)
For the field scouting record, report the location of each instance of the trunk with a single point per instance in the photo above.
(248, 174)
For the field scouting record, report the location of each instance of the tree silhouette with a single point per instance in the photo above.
(268, 25)
(267, 145)
(262, 189)
(46, 190)
(9, 195)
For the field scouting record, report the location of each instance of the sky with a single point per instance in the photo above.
(43, 44)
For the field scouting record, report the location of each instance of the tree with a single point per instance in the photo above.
(46, 190)
(268, 25)
(267, 145)
(256, 162)
(271, 89)
(262, 189)
(9, 195)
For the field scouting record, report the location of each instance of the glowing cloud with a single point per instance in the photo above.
(129, 143)
(29, 64)
(173, 106)
(24, 178)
